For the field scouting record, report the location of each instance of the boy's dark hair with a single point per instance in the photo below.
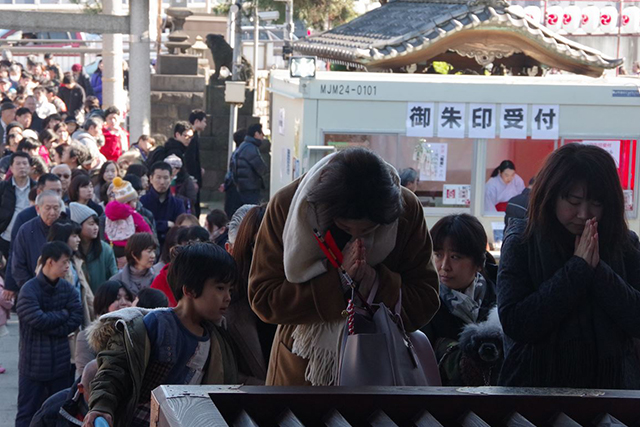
(47, 177)
(54, 251)
(195, 263)
(79, 181)
(159, 166)
(18, 154)
(60, 231)
(466, 235)
(181, 127)
(218, 218)
(22, 111)
(28, 144)
(51, 89)
(68, 78)
(357, 184)
(198, 234)
(111, 110)
(256, 127)
(152, 298)
(137, 170)
(106, 294)
(197, 115)
(138, 243)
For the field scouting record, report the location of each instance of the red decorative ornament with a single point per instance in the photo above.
(585, 19)
(552, 19)
(605, 19)
(566, 19)
(625, 20)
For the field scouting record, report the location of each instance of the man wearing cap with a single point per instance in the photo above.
(82, 79)
(32, 236)
(7, 115)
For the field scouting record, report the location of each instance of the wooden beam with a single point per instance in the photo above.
(61, 21)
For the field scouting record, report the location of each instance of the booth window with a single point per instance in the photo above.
(526, 155)
(444, 166)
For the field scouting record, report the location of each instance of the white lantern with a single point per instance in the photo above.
(631, 20)
(571, 19)
(590, 19)
(534, 13)
(609, 19)
(553, 20)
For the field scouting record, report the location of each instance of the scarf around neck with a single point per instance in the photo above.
(462, 305)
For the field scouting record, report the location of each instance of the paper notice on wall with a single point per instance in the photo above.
(545, 121)
(432, 161)
(285, 163)
(296, 168)
(456, 195)
(281, 121)
(498, 234)
(611, 147)
(628, 200)
(451, 120)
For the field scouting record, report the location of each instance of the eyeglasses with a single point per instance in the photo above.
(63, 175)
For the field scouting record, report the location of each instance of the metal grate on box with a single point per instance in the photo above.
(250, 406)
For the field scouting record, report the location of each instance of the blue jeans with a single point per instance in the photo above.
(32, 394)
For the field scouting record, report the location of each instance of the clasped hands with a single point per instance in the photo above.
(587, 245)
(355, 263)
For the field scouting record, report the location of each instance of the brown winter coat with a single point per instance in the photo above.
(275, 300)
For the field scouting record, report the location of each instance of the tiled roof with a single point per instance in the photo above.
(406, 26)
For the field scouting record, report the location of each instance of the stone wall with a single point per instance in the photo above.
(169, 107)
(214, 141)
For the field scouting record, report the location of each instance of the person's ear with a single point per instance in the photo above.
(229, 248)
(81, 388)
(188, 292)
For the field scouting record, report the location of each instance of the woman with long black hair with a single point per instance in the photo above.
(569, 279)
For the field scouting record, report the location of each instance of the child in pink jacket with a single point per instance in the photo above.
(122, 220)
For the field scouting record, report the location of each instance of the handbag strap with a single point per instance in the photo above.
(374, 291)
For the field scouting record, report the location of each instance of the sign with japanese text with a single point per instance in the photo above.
(451, 120)
(611, 147)
(420, 119)
(545, 121)
(513, 121)
(456, 195)
(482, 121)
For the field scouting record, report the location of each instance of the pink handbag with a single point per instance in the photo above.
(377, 351)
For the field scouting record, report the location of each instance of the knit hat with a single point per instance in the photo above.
(174, 161)
(122, 190)
(76, 67)
(80, 213)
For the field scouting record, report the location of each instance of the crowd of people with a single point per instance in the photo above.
(118, 287)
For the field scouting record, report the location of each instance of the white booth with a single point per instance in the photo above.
(454, 130)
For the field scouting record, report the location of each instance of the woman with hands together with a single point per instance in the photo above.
(569, 279)
(352, 200)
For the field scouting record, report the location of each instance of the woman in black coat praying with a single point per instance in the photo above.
(569, 279)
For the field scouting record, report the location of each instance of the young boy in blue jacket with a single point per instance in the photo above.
(49, 310)
(139, 350)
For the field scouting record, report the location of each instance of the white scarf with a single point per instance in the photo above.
(304, 260)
